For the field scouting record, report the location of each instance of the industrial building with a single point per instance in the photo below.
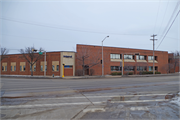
(87, 60)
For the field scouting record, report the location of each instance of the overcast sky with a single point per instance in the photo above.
(58, 25)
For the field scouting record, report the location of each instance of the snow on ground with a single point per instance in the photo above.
(176, 99)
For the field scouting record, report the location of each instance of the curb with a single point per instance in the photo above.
(29, 77)
(87, 77)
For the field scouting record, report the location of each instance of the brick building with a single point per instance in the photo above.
(89, 56)
(16, 64)
(113, 60)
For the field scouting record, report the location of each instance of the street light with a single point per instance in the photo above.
(102, 56)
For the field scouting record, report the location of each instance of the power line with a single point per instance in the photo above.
(164, 16)
(157, 15)
(170, 18)
(168, 30)
(70, 29)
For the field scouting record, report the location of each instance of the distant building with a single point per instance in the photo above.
(135, 62)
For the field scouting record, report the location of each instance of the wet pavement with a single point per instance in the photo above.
(132, 98)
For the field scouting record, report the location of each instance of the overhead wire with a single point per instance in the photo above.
(157, 15)
(70, 29)
(168, 29)
(168, 24)
(163, 16)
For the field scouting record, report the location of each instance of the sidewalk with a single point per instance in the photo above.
(86, 77)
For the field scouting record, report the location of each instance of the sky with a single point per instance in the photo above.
(58, 25)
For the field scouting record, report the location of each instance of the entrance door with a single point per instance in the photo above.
(68, 70)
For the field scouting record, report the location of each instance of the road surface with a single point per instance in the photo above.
(108, 98)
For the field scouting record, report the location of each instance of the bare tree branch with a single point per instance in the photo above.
(4, 52)
(31, 57)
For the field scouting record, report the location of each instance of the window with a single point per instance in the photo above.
(46, 67)
(141, 68)
(140, 57)
(115, 56)
(151, 68)
(156, 68)
(20, 68)
(13, 64)
(14, 68)
(34, 67)
(129, 68)
(41, 68)
(55, 65)
(116, 68)
(151, 57)
(4, 66)
(128, 57)
(57, 68)
(30, 68)
(52, 67)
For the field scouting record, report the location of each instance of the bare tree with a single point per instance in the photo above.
(174, 59)
(87, 59)
(168, 67)
(4, 52)
(31, 57)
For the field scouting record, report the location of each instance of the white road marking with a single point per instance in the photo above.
(139, 101)
(49, 105)
(79, 103)
(98, 97)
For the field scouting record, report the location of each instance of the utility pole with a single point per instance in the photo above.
(153, 50)
(102, 57)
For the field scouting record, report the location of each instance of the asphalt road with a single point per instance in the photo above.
(115, 98)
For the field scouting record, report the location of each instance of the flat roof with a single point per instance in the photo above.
(122, 47)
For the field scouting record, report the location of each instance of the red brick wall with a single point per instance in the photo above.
(50, 56)
(96, 51)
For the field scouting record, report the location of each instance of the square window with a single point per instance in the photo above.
(150, 68)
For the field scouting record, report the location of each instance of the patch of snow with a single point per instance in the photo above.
(93, 110)
(176, 99)
(138, 108)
